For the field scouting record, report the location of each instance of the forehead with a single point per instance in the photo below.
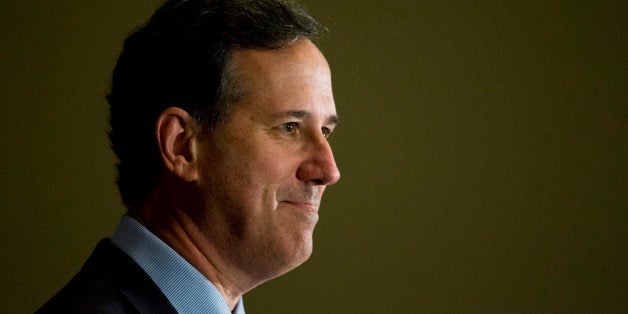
(293, 78)
(301, 55)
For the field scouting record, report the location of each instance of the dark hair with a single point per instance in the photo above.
(181, 58)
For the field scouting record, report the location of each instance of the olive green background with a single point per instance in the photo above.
(483, 149)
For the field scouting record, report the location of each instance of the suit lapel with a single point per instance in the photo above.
(119, 269)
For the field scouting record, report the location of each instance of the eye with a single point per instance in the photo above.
(290, 127)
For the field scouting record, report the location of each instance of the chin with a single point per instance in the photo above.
(287, 267)
(286, 260)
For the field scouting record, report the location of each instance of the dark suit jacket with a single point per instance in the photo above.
(109, 282)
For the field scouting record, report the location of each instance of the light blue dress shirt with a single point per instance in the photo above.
(183, 285)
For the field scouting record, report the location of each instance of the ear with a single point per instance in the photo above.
(177, 143)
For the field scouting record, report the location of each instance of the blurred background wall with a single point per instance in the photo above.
(483, 148)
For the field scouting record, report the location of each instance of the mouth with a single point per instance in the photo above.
(306, 206)
(303, 202)
(307, 211)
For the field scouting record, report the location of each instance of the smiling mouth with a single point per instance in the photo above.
(305, 207)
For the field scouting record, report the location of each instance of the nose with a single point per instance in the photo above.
(319, 168)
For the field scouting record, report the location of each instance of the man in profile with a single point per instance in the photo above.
(220, 113)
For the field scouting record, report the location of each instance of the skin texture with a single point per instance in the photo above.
(240, 203)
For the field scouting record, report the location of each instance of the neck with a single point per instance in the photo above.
(197, 242)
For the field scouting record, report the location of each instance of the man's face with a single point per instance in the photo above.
(264, 172)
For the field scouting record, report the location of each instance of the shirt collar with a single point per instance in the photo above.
(183, 285)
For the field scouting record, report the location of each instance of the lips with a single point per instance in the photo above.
(307, 197)
(307, 208)
(302, 204)
(306, 211)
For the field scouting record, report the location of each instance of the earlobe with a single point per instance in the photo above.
(176, 142)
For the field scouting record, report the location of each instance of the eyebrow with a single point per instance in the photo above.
(333, 119)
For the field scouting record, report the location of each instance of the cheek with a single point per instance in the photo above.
(265, 163)
(250, 175)
(251, 170)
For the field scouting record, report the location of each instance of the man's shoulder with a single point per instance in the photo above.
(109, 282)
(88, 293)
